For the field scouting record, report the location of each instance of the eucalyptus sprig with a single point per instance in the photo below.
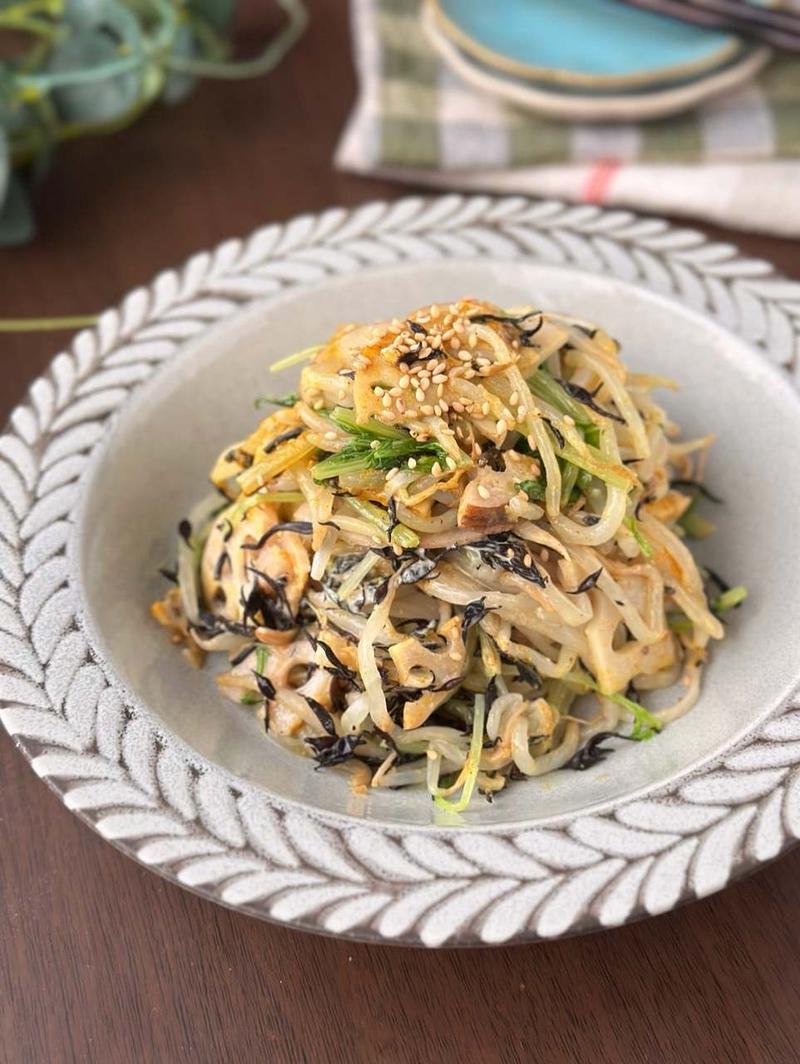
(81, 67)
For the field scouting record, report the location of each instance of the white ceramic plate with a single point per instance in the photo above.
(589, 106)
(114, 442)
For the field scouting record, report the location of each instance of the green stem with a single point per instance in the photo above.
(249, 68)
(21, 325)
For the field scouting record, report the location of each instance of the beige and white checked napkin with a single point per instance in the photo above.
(734, 161)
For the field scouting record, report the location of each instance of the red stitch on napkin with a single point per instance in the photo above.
(599, 180)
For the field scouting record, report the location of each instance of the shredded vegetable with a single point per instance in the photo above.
(456, 557)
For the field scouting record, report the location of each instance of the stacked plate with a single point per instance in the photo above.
(589, 60)
(771, 21)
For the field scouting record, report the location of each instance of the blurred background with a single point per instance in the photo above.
(135, 132)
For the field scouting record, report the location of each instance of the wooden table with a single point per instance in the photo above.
(102, 961)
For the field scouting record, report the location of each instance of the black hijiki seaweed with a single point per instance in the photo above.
(492, 458)
(219, 565)
(473, 613)
(416, 328)
(284, 437)
(493, 551)
(275, 611)
(587, 399)
(524, 334)
(391, 511)
(562, 443)
(594, 752)
(185, 531)
(331, 750)
(265, 686)
(242, 655)
(209, 625)
(169, 574)
(715, 579)
(302, 528)
(418, 570)
(693, 485)
(322, 714)
(337, 667)
(590, 519)
(587, 583)
(396, 699)
(525, 672)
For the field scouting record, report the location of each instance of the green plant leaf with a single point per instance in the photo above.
(16, 217)
(102, 32)
(219, 13)
(178, 85)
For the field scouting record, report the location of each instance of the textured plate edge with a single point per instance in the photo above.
(119, 773)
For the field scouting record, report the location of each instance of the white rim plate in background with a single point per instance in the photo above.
(138, 784)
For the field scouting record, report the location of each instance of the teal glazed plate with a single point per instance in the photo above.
(577, 103)
(600, 44)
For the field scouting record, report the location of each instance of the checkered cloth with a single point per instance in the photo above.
(734, 161)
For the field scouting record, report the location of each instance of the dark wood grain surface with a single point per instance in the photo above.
(102, 961)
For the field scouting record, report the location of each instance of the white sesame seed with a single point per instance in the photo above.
(451, 462)
(483, 491)
(378, 390)
(439, 378)
(375, 444)
(420, 394)
(527, 560)
(427, 410)
(481, 360)
(465, 356)
(532, 442)
(331, 436)
(545, 554)
(458, 407)
(455, 343)
(386, 401)
(412, 463)
(403, 382)
(473, 341)
(411, 412)
(469, 374)
(502, 427)
(436, 469)
(444, 406)
(318, 405)
(485, 408)
(437, 410)
(395, 392)
(434, 311)
(509, 553)
(401, 409)
(513, 398)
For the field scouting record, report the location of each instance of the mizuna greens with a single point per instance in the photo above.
(456, 557)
